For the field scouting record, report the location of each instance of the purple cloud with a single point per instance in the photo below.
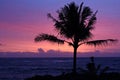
(54, 53)
(40, 50)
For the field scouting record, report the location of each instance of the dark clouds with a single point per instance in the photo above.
(53, 53)
(40, 50)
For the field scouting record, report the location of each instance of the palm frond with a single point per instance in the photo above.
(67, 24)
(48, 37)
(101, 42)
(86, 13)
(92, 21)
(80, 8)
(50, 16)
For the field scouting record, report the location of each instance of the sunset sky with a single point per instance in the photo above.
(22, 20)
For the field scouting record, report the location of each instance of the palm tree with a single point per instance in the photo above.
(75, 24)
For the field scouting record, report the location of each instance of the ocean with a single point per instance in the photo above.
(21, 68)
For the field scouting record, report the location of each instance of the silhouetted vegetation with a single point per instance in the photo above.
(93, 69)
(74, 26)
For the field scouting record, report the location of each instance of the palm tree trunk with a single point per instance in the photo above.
(74, 60)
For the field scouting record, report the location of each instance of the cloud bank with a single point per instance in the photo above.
(53, 53)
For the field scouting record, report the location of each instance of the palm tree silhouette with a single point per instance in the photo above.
(75, 24)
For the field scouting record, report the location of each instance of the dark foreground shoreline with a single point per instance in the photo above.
(82, 76)
(92, 72)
